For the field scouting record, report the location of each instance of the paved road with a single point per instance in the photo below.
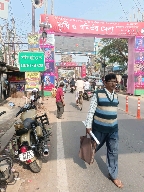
(132, 100)
(82, 177)
(66, 172)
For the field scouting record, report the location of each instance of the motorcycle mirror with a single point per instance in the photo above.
(26, 106)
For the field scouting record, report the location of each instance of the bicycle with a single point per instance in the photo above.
(80, 100)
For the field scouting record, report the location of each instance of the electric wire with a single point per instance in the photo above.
(123, 11)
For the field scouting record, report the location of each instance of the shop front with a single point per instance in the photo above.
(16, 82)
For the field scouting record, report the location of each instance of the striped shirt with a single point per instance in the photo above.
(93, 105)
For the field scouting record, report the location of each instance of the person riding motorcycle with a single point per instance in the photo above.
(79, 87)
(72, 85)
(87, 85)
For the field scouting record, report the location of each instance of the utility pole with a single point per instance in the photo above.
(33, 18)
(13, 43)
(8, 41)
(45, 6)
(52, 7)
(104, 65)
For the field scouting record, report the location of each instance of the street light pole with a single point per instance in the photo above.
(33, 18)
(52, 7)
(44, 36)
(104, 65)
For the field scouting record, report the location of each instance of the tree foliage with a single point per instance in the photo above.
(114, 50)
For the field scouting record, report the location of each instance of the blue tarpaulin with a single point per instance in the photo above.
(117, 68)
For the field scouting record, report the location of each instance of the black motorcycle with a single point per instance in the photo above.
(6, 164)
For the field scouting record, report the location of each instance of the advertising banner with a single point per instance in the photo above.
(139, 63)
(56, 73)
(12, 78)
(33, 42)
(47, 46)
(17, 81)
(139, 43)
(66, 73)
(47, 42)
(59, 24)
(33, 80)
(83, 71)
(69, 64)
(48, 80)
(49, 53)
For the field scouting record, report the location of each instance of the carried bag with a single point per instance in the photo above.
(87, 149)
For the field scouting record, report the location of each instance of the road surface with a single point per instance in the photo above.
(66, 172)
(132, 104)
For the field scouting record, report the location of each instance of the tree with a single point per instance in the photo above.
(114, 50)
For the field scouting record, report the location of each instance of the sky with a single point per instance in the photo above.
(101, 10)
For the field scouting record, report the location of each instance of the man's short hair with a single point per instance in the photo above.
(110, 76)
(61, 84)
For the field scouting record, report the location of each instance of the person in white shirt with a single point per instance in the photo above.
(86, 85)
(79, 87)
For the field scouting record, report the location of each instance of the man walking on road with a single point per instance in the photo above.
(102, 120)
(60, 101)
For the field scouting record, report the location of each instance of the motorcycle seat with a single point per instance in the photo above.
(28, 123)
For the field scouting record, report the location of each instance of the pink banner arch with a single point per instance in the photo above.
(66, 26)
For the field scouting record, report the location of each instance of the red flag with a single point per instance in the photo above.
(1, 6)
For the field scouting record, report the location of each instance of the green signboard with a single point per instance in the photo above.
(32, 61)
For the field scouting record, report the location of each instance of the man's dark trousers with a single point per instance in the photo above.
(60, 109)
(111, 140)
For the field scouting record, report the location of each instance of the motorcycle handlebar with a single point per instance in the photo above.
(35, 99)
(18, 113)
(3, 112)
(23, 109)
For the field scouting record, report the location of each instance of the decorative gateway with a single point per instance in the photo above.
(37, 3)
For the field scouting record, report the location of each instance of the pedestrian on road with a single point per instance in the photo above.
(60, 101)
(102, 120)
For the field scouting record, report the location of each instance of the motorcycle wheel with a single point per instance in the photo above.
(87, 98)
(36, 166)
(11, 177)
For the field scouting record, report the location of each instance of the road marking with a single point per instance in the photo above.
(61, 165)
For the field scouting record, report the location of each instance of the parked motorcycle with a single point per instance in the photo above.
(30, 143)
(6, 164)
